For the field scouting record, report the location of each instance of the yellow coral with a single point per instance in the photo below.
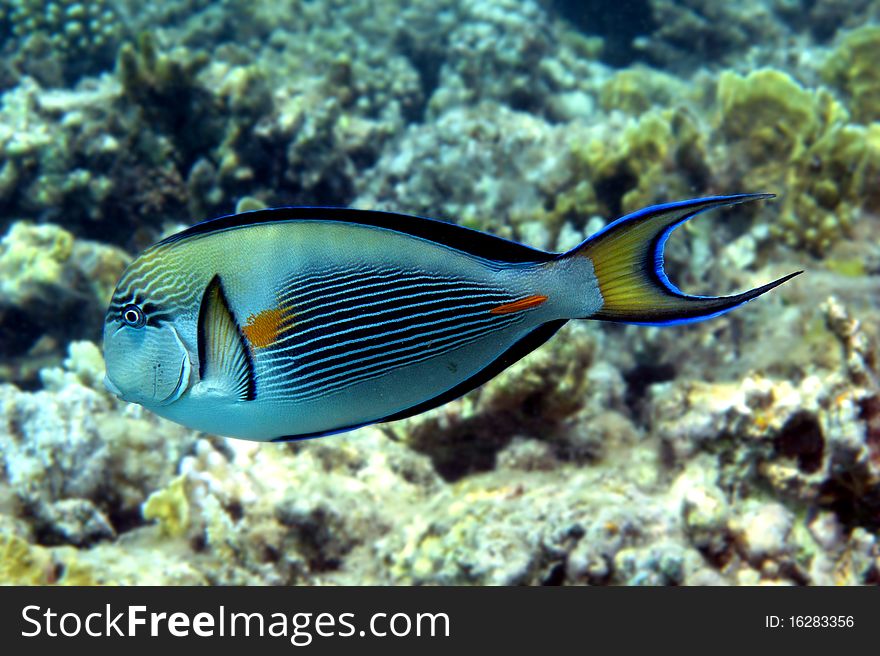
(869, 172)
(636, 90)
(32, 255)
(662, 149)
(170, 507)
(828, 187)
(801, 141)
(22, 563)
(768, 113)
(852, 67)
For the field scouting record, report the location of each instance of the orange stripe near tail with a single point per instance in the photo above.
(526, 303)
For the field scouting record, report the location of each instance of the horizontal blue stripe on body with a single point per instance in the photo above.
(367, 323)
(451, 321)
(392, 280)
(325, 385)
(387, 347)
(359, 325)
(357, 319)
(385, 296)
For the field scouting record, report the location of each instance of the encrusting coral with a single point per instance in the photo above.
(61, 40)
(165, 88)
(50, 286)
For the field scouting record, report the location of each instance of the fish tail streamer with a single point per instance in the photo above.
(627, 259)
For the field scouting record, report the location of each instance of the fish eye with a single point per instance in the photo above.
(133, 316)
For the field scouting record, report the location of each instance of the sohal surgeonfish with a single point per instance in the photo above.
(298, 322)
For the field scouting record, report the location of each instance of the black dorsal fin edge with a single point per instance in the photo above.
(516, 352)
(473, 242)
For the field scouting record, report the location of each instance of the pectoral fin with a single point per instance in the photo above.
(225, 362)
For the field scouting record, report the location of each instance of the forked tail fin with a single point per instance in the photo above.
(627, 257)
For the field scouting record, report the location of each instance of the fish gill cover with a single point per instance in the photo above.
(742, 450)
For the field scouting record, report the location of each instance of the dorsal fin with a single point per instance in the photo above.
(224, 359)
(474, 242)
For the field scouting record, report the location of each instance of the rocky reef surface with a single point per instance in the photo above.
(741, 450)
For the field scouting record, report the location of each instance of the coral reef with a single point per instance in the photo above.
(79, 463)
(601, 499)
(53, 286)
(507, 51)
(510, 155)
(810, 442)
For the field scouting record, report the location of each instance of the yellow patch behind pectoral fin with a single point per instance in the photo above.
(224, 360)
(264, 329)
